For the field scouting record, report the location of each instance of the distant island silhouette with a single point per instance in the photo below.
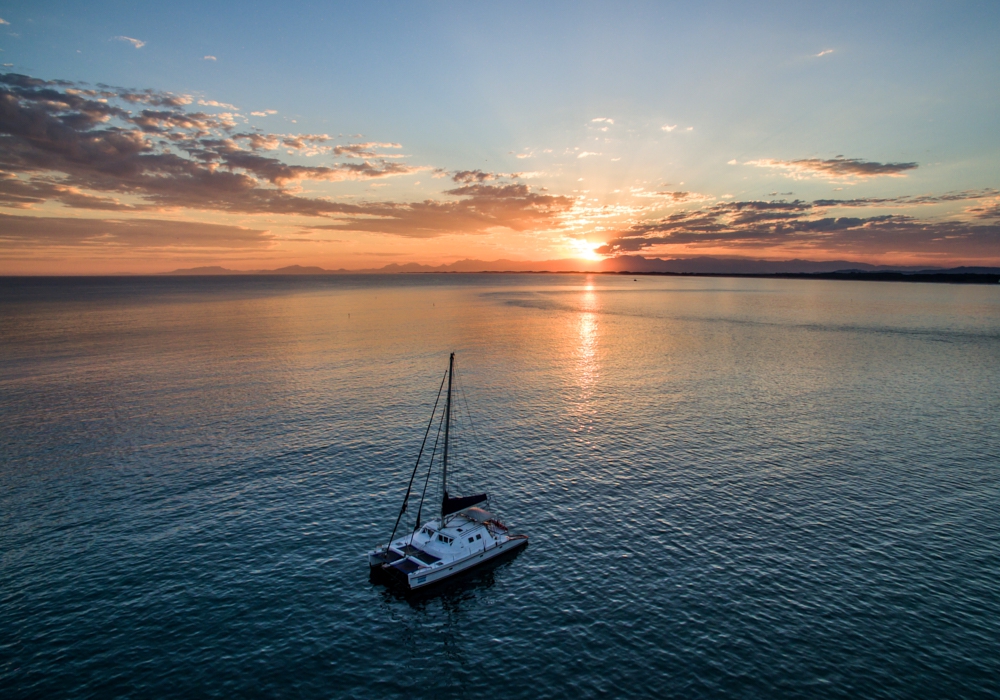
(638, 265)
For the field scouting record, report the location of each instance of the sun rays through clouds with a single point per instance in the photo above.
(100, 168)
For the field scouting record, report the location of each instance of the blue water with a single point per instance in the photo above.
(733, 487)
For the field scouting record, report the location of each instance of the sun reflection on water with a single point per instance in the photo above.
(588, 334)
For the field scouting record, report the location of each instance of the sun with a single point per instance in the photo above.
(585, 250)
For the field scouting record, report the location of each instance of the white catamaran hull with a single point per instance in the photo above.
(443, 548)
(419, 579)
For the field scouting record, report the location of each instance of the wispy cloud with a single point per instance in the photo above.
(3, 21)
(908, 200)
(668, 127)
(479, 208)
(209, 58)
(264, 113)
(213, 103)
(103, 234)
(607, 120)
(365, 150)
(586, 154)
(674, 197)
(834, 168)
(824, 52)
(135, 42)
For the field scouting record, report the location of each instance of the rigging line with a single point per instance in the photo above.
(475, 433)
(475, 436)
(458, 443)
(420, 454)
(430, 466)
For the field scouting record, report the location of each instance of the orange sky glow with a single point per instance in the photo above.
(669, 150)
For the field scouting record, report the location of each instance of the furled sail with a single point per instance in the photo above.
(451, 505)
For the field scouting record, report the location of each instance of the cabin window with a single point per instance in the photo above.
(479, 537)
(472, 539)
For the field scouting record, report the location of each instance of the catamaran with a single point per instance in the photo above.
(464, 536)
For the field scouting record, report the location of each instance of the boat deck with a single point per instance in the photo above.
(407, 566)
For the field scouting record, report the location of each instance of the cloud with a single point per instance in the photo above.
(308, 144)
(209, 58)
(365, 150)
(20, 193)
(908, 200)
(135, 42)
(19, 232)
(82, 148)
(988, 210)
(463, 176)
(213, 103)
(481, 208)
(135, 152)
(3, 21)
(162, 157)
(171, 121)
(586, 154)
(668, 127)
(824, 52)
(805, 226)
(151, 97)
(834, 168)
(604, 119)
(265, 113)
(674, 196)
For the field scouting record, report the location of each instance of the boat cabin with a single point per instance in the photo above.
(465, 534)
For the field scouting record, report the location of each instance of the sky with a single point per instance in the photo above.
(145, 137)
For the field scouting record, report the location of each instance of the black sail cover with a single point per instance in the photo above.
(451, 505)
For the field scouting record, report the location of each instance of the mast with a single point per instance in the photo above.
(447, 424)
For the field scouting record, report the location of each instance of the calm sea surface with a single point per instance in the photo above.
(733, 487)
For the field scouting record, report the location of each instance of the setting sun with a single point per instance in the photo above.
(585, 250)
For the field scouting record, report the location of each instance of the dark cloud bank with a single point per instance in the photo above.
(807, 225)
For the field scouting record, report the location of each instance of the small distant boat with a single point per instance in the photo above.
(464, 536)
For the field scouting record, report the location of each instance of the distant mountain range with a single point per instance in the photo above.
(705, 265)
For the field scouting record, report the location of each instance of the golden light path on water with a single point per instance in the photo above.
(587, 354)
(588, 332)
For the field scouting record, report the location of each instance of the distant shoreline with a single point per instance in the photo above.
(943, 277)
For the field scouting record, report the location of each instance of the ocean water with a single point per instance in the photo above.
(732, 487)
